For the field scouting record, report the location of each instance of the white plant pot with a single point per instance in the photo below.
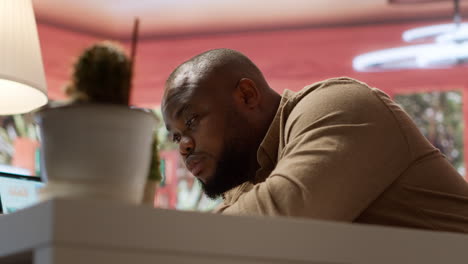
(95, 151)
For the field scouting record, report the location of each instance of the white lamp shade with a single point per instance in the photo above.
(22, 80)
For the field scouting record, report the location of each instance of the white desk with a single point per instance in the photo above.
(85, 232)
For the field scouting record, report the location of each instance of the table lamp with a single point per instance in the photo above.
(22, 79)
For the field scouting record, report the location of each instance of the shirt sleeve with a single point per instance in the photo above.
(342, 147)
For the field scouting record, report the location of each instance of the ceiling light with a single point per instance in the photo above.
(449, 47)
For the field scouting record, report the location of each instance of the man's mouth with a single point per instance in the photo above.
(197, 169)
(194, 165)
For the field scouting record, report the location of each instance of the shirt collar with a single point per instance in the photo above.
(267, 152)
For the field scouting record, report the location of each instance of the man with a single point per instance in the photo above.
(336, 150)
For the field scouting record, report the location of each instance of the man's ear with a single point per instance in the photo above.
(247, 94)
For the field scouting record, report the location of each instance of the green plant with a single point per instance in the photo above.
(439, 116)
(101, 74)
(155, 172)
(165, 142)
(6, 147)
(18, 126)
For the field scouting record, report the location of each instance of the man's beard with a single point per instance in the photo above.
(233, 168)
(238, 161)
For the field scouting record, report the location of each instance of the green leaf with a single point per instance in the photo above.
(20, 126)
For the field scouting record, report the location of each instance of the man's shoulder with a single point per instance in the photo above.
(335, 91)
(339, 82)
(347, 99)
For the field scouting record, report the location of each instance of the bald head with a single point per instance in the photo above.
(221, 66)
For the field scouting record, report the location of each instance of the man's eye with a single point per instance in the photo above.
(191, 122)
(176, 138)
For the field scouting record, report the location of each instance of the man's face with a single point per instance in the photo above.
(213, 140)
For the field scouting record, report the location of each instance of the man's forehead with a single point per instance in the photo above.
(182, 100)
(173, 111)
(178, 107)
(183, 77)
(190, 86)
(186, 90)
(190, 73)
(176, 100)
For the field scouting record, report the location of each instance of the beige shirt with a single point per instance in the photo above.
(340, 150)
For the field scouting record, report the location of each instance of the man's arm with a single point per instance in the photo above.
(342, 148)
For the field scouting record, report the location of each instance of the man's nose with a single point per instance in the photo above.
(186, 145)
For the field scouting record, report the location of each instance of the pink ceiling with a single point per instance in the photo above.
(113, 18)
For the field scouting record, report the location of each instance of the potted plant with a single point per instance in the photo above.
(96, 145)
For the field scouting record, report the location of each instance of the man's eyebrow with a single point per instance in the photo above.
(178, 113)
(181, 110)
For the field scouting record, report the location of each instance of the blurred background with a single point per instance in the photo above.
(294, 42)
